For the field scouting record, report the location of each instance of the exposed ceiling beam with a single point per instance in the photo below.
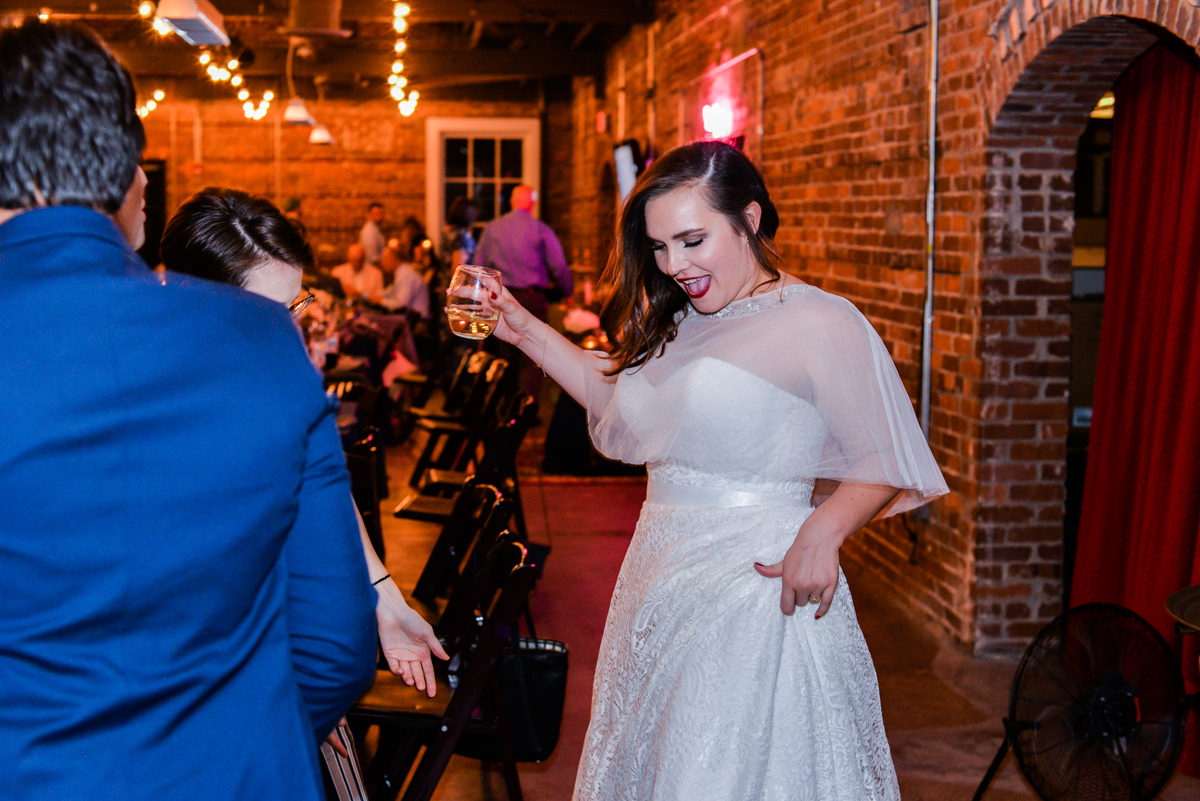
(584, 32)
(343, 62)
(610, 12)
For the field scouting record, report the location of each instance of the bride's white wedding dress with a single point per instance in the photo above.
(704, 689)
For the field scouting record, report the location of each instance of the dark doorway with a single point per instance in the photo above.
(1087, 306)
(156, 210)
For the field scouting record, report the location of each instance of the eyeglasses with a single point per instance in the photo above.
(298, 306)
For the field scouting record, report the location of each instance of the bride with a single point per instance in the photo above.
(732, 664)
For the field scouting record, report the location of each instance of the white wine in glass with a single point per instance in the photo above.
(464, 304)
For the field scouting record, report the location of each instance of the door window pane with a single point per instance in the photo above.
(511, 163)
(453, 192)
(486, 195)
(456, 158)
(485, 158)
(506, 191)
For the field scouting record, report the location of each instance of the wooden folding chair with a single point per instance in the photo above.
(478, 509)
(409, 719)
(451, 442)
(498, 464)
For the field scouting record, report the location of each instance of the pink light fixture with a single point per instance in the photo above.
(718, 120)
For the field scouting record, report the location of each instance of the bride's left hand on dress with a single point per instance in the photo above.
(810, 567)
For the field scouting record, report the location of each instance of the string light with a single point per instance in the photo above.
(236, 80)
(44, 14)
(159, 94)
(205, 57)
(233, 64)
(243, 95)
(400, 12)
(268, 95)
(145, 9)
(161, 27)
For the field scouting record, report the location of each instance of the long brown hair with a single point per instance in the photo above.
(641, 313)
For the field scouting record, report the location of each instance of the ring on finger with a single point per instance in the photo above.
(814, 599)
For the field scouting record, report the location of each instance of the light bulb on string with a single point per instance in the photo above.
(268, 96)
(236, 80)
(402, 10)
(233, 64)
(161, 27)
(392, 79)
(151, 105)
(145, 9)
(412, 96)
(205, 57)
(243, 95)
(44, 14)
(401, 46)
(397, 66)
(397, 92)
(400, 24)
(159, 94)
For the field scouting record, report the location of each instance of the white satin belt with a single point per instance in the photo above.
(664, 494)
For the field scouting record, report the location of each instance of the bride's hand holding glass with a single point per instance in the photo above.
(514, 324)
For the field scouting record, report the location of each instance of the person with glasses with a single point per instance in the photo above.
(233, 237)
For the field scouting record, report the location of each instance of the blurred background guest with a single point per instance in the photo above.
(458, 241)
(530, 259)
(359, 278)
(408, 290)
(370, 238)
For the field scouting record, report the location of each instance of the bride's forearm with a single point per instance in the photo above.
(568, 364)
(847, 509)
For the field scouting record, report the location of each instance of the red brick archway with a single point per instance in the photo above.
(1025, 289)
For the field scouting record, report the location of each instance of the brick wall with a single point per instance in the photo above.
(843, 147)
(379, 155)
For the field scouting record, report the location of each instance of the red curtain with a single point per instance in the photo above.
(1141, 501)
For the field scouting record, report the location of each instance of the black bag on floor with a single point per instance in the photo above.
(532, 679)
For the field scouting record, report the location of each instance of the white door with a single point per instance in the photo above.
(482, 158)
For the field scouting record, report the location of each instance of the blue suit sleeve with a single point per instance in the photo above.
(331, 606)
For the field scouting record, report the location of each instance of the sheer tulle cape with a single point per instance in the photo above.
(814, 346)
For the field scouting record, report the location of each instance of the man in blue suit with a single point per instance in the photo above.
(184, 606)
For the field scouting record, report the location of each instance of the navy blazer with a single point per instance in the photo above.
(184, 604)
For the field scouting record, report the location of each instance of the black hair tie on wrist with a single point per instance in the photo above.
(377, 581)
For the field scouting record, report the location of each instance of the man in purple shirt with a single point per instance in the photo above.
(528, 255)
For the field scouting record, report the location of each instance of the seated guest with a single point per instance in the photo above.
(408, 290)
(359, 278)
(186, 610)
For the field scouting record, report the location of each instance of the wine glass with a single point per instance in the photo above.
(465, 300)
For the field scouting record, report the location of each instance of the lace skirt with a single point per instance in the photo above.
(704, 689)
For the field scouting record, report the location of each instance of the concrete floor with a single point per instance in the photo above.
(942, 709)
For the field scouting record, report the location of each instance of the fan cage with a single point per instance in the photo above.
(1097, 708)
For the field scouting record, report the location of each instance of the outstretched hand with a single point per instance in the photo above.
(408, 641)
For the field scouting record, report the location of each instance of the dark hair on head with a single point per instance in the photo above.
(640, 315)
(375, 204)
(224, 234)
(463, 212)
(69, 130)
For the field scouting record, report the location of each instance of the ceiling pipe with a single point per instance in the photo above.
(315, 18)
(930, 210)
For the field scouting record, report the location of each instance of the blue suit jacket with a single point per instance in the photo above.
(184, 606)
